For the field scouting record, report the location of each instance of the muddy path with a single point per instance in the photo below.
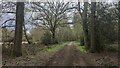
(68, 56)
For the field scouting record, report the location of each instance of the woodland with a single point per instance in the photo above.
(60, 34)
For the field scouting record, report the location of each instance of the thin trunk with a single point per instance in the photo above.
(92, 27)
(119, 31)
(85, 26)
(79, 9)
(18, 29)
(53, 37)
(26, 35)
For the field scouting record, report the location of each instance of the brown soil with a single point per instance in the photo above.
(67, 56)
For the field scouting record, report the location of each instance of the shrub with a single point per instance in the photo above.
(47, 39)
(82, 40)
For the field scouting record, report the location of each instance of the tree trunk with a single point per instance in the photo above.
(119, 30)
(92, 27)
(53, 37)
(85, 26)
(26, 34)
(98, 38)
(18, 29)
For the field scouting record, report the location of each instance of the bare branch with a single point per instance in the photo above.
(8, 12)
(8, 26)
(7, 21)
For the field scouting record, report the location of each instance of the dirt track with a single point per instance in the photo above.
(68, 56)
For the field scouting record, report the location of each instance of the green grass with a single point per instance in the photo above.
(53, 48)
(81, 48)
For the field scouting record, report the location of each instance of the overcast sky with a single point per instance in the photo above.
(61, 0)
(8, 16)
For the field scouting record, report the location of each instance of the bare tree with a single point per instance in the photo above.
(51, 14)
(18, 29)
(9, 8)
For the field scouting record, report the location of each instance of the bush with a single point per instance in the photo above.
(47, 39)
(82, 40)
(111, 48)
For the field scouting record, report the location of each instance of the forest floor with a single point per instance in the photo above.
(68, 55)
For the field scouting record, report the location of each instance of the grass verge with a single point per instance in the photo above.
(81, 48)
(52, 48)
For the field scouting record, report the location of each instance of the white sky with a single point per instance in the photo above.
(61, 0)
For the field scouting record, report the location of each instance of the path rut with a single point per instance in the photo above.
(68, 56)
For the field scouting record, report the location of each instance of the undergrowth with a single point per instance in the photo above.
(52, 48)
(80, 47)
